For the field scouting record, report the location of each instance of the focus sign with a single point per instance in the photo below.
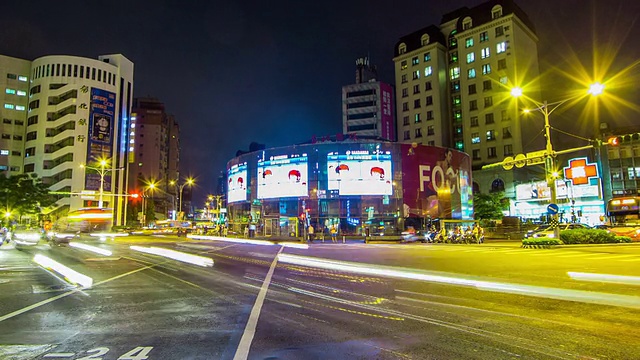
(553, 209)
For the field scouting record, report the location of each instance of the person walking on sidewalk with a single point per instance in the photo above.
(334, 234)
(310, 233)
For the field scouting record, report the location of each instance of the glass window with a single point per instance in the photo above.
(9, 106)
(484, 36)
(472, 89)
(429, 100)
(403, 65)
(402, 48)
(491, 152)
(22, 78)
(484, 53)
(415, 60)
(506, 132)
(417, 118)
(486, 85)
(504, 80)
(12, 76)
(508, 150)
(459, 145)
(405, 120)
(499, 31)
(488, 101)
(471, 73)
(475, 138)
(81, 71)
(427, 86)
(20, 108)
(501, 47)
(416, 89)
(405, 92)
(416, 103)
(405, 106)
(474, 121)
(21, 93)
(9, 91)
(502, 64)
(468, 42)
(407, 135)
(418, 132)
(428, 71)
(429, 115)
(455, 73)
(430, 130)
(476, 154)
(453, 57)
(404, 78)
(427, 56)
(416, 75)
(471, 57)
(491, 135)
(486, 69)
(473, 105)
(488, 118)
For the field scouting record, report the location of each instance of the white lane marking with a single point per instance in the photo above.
(614, 257)
(577, 255)
(606, 278)
(50, 355)
(244, 346)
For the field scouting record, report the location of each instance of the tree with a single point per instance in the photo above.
(489, 206)
(24, 194)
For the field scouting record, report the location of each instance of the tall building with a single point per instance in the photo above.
(367, 105)
(78, 113)
(454, 86)
(156, 152)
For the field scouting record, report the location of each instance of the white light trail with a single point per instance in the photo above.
(175, 255)
(69, 274)
(94, 249)
(233, 240)
(453, 279)
(606, 278)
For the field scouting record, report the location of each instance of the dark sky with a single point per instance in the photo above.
(272, 71)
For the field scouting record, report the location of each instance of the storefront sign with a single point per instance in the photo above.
(579, 171)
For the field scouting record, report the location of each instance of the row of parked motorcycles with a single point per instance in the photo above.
(436, 236)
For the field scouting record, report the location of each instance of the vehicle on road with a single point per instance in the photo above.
(623, 217)
(25, 235)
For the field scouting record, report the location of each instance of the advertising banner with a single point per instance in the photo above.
(100, 137)
(437, 182)
(359, 172)
(388, 129)
(283, 176)
(539, 190)
(237, 183)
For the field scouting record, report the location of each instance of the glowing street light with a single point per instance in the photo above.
(151, 186)
(103, 171)
(189, 182)
(546, 109)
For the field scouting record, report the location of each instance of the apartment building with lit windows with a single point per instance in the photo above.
(70, 111)
(476, 56)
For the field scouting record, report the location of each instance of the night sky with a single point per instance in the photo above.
(272, 71)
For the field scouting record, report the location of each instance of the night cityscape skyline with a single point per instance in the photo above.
(255, 73)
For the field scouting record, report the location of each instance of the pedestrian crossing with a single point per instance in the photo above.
(561, 253)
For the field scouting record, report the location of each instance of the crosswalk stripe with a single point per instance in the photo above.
(614, 257)
(577, 255)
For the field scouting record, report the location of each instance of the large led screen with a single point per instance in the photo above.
(283, 176)
(360, 172)
(237, 183)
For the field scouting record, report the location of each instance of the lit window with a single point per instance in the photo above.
(484, 36)
(459, 145)
(4, 152)
(22, 93)
(468, 42)
(491, 135)
(504, 80)
(131, 149)
(8, 106)
(428, 71)
(475, 138)
(20, 107)
(484, 53)
(501, 47)
(486, 69)
(466, 23)
(403, 65)
(417, 118)
(131, 141)
(416, 75)
(471, 57)
(10, 91)
(427, 56)
(455, 73)
(22, 78)
(471, 73)
(139, 164)
(415, 60)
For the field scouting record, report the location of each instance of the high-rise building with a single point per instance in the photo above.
(367, 105)
(156, 153)
(77, 113)
(454, 84)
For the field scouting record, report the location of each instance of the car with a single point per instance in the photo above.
(548, 231)
(24, 235)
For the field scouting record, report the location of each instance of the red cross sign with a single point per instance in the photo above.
(579, 171)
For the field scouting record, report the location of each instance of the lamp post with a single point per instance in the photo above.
(103, 171)
(189, 182)
(151, 187)
(546, 109)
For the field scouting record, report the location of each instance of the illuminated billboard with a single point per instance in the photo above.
(237, 183)
(360, 172)
(283, 176)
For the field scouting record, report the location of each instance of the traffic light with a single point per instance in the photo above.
(134, 197)
(614, 140)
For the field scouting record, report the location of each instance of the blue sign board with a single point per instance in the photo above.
(553, 209)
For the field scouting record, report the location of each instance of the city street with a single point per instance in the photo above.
(328, 301)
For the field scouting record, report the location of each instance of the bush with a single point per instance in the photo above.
(591, 236)
(540, 242)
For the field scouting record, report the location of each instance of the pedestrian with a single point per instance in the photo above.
(334, 234)
(476, 233)
(310, 233)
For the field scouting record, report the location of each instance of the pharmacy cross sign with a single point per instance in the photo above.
(579, 171)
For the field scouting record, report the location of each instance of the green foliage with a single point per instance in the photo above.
(540, 242)
(489, 206)
(24, 194)
(591, 236)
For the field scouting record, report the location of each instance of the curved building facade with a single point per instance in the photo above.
(79, 112)
(355, 185)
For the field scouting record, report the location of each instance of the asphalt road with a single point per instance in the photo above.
(328, 301)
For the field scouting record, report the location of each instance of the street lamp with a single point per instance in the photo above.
(189, 181)
(546, 109)
(103, 171)
(151, 187)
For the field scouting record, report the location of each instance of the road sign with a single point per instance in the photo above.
(536, 157)
(553, 209)
(520, 160)
(507, 163)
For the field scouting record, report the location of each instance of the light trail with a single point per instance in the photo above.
(175, 255)
(454, 279)
(232, 240)
(94, 249)
(606, 278)
(69, 275)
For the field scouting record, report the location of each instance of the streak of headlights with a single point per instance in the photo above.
(606, 278)
(175, 255)
(454, 279)
(69, 275)
(233, 240)
(94, 249)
